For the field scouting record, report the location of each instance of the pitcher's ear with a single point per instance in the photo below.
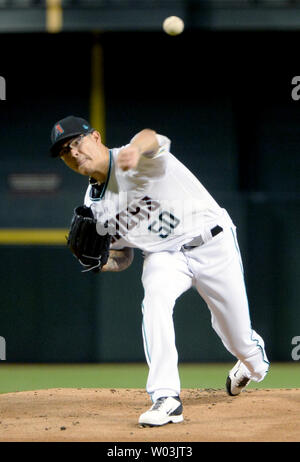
(96, 135)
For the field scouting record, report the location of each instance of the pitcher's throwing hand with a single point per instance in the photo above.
(128, 158)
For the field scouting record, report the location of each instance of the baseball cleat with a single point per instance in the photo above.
(237, 379)
(167, 409)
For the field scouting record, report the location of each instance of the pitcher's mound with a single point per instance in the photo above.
(86, 414)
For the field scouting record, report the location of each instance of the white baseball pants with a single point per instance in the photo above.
(215, 270)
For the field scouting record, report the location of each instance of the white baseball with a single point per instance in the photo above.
(173, 25)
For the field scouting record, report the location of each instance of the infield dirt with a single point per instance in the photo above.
(111, 415)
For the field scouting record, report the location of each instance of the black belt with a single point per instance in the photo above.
(214, 232)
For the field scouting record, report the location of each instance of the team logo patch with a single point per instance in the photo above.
(58, 130)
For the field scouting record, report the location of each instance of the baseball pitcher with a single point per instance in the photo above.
(141, 196)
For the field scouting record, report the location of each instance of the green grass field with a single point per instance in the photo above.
(21, 377)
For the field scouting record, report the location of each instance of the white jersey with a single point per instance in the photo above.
(158, 206)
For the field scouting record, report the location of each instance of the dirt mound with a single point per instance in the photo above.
(111, 415)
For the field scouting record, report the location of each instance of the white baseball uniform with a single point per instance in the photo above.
(187, 240)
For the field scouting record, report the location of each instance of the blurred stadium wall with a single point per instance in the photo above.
(222, 92)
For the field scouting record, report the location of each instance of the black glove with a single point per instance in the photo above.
(89, 247)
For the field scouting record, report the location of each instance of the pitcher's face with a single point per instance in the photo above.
(82, 153)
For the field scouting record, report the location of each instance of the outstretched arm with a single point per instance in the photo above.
(144, 143)
(119, 260)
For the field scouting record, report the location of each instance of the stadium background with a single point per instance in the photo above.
(221, 91)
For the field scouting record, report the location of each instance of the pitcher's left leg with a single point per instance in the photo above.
(220, 281)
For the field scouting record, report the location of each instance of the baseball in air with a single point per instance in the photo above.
(173, 25)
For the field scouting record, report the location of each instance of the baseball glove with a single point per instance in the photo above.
(89, 247)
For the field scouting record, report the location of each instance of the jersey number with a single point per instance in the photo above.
(165, 224)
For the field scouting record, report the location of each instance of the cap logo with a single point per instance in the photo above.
(58, 130)
(85, 126)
